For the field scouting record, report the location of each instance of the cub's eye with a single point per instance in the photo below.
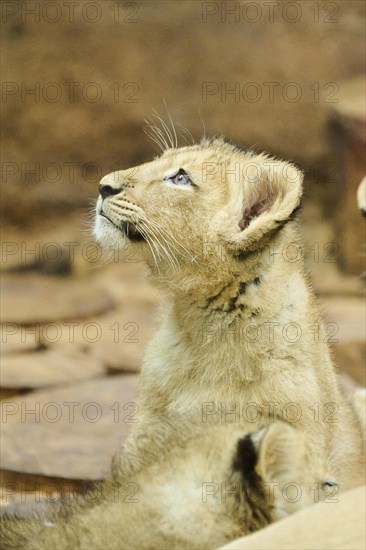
(181, 178)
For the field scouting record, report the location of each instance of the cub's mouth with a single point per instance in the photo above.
(127, 228)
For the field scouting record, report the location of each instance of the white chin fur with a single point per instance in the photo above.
(107, 235)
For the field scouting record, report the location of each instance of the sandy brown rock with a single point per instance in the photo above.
(339, 525)
(48, 368)
(13, 340)
(348, 128)
(350, 358)
(126, 334)
(127, 281)
(117, 339)
(345, 318)
(346, 329)
(332, 282)
(66, 247)
(38, 299)
(72, 432)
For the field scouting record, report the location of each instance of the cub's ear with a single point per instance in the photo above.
(274, 453)
(269, 197)
(269, 461)
(281, 453)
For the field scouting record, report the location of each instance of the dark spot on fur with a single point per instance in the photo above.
(245, 461)
(244, 254)
(232, 304)
(242, 288)
(212, 298)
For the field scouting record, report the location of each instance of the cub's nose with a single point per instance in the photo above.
(106, 191)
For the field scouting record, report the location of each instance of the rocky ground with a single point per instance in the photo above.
(73, 335)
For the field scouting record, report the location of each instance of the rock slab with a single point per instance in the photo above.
(69, 432)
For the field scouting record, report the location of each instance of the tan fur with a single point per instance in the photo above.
(220, 252)
(189, 491)
(335, 526)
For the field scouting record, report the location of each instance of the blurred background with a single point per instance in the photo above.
(78, 80)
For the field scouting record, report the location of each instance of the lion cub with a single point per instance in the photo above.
(196, 488)
(240, 329)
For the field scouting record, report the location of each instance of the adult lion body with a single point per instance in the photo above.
(192, 487)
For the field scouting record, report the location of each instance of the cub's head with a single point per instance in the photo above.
(197, 208)
(278, 475)
(250, 480)
(200, 488)
(226, 480)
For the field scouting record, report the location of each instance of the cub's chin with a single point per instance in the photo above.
(111, 236)
(107, 235)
